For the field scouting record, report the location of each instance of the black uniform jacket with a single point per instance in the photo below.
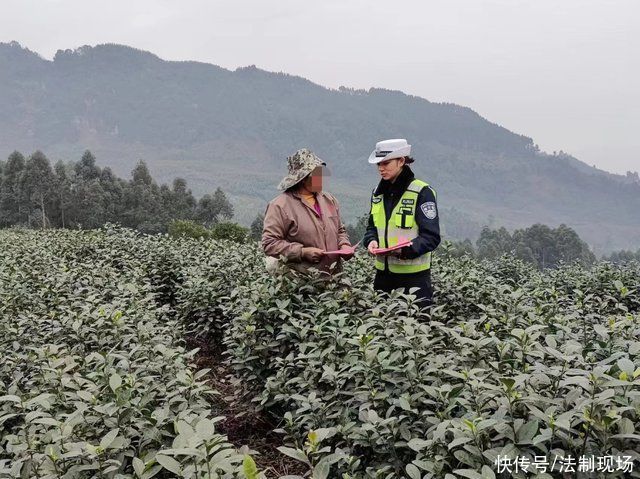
(428, 228)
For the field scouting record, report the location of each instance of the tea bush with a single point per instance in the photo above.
(230, 231)
(512, 362)
(219, 231)
(94, 381)
(190, 229)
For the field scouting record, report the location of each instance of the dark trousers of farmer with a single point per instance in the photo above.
(387, 282)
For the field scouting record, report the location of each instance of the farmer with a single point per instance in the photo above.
(402, 208)
(303, 223)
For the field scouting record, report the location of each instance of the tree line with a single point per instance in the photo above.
(83, 195)
(539, 244)
(624, 256)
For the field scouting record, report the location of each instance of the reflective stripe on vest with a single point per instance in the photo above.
(402, 226)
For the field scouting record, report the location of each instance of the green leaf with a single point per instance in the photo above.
(115, 381)
(635, 437)
(296, 454)
(48, 421)
(413, 471)
(626, 365)
(527, 431)
(41, 400)
(470, 473)
(508, 383)
(601, 330)
(205, 429)
(85, 395)
(10, 398)
(249, 467)
(184, 451)
(459, 441)
(324, 433)
(201, 373)
(169, 463)
(404, 404)
(626, 426)
(109, 438)
(151, 472)
(184, 429)
(487, 473)
(464, 457)
(417, 444)
(138, 466)
(321, 471)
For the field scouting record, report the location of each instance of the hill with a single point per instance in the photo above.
(233, 129)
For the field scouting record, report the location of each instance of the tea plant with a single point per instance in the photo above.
(94, 381)
(511, 362)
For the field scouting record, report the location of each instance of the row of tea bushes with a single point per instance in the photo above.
(513, 363)
(94, 380)
(210, 273)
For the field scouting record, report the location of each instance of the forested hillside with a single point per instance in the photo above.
(233, 129)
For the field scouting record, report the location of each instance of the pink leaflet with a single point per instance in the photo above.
(344, 252)
(400, 245)
(341, 252)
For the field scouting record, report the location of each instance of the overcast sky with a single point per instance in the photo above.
(566, 73)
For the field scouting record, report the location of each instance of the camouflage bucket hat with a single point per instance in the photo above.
(300, 164)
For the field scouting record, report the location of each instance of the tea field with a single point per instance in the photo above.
(515, 367)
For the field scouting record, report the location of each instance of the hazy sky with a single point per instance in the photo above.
(564, 72)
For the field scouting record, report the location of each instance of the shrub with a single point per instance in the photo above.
(94, 380)
(188, 229)
(512, 361)
(230, 231)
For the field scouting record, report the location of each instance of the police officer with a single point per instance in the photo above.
(402, 208)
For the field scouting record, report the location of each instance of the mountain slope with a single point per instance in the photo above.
(233, 129)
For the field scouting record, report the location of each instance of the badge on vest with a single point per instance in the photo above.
(429, 210)
(376, 199)
(408, 201)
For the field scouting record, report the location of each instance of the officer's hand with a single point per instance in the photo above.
(373, 245)
(312, 255)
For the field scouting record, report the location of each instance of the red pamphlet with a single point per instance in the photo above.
(341, 252)
(344, 252)
(400, 245)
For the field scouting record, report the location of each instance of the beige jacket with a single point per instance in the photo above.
(291, 224)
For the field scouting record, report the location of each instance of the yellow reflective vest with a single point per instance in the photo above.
(402, 226)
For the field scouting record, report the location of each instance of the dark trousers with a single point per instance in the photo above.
(387, 282)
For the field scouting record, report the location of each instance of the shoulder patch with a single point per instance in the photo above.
(429, 210)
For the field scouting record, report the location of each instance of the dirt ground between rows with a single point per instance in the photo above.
(244, 425)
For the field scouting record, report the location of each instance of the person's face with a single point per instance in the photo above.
(391, 168)
(313, 182)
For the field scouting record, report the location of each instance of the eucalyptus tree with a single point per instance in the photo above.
(11, 201)
(37, 185)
